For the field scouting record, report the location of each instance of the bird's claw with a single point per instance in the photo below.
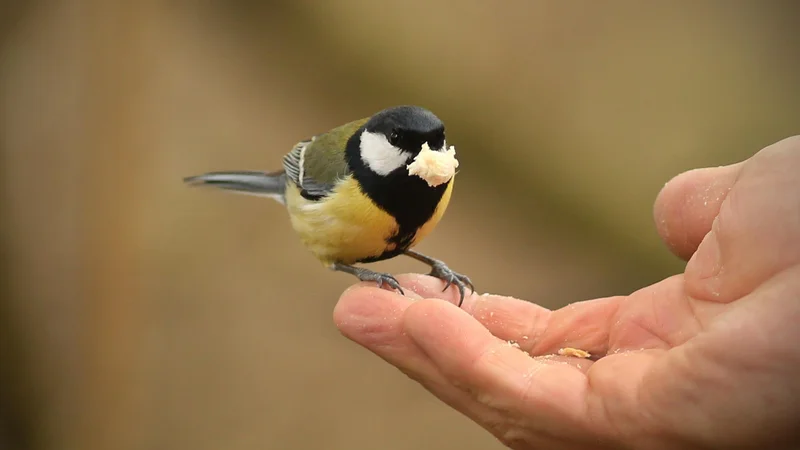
(450, 277)
(382, 279)
(368, 275)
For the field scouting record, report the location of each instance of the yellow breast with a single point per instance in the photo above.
(347, 226)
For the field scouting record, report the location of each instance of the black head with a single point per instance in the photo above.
(392, 138)
(408, 127)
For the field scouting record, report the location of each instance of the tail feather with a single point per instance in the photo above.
(253, 183)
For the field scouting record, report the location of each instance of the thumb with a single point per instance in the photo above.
(757, 231)
(688, 204)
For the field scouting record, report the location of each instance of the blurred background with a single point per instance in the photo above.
(138, 314)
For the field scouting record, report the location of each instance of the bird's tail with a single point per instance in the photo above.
(262, 184)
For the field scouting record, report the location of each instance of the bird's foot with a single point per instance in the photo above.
(440, 270)
(382, 279)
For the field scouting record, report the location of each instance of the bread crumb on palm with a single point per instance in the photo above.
(575, 352)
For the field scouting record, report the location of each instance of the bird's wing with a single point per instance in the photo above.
(316, 165)
(293, 161)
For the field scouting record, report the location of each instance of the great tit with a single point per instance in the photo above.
(365, 191)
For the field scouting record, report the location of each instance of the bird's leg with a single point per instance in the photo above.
(368, 275)
(440, 270)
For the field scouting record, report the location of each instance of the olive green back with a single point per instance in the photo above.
(324, 158)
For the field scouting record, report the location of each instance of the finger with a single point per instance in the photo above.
(496, 373)
(507, 318)
(688, 204)
(757, 231)
(373, 318)
(537, 330)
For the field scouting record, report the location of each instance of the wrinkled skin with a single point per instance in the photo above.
(705, 359)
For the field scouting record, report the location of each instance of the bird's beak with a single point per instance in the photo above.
(435, 167)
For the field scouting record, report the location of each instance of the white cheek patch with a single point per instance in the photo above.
(381, 156)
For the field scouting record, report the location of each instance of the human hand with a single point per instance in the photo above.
(705, 359)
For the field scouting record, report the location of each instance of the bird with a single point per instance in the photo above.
(365, 191)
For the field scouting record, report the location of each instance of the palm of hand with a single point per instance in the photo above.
(705, 359)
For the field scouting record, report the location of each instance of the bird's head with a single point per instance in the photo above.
(404, 136)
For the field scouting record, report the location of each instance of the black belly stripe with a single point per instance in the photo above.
(408, 199)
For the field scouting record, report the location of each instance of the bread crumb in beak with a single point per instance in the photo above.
(434, 167)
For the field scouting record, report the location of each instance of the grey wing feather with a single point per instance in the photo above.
(293, 164)
(293, 160)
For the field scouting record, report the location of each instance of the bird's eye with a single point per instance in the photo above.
(394, 138)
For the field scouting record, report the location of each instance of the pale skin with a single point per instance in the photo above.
(706, 359)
